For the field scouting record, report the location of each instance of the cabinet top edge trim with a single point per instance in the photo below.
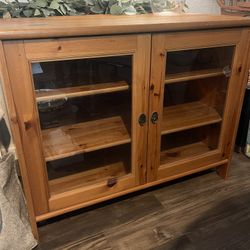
(68, 26)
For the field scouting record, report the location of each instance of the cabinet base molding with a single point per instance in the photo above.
(132, 190)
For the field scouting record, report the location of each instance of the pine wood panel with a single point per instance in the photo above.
(188, 115)
(193, 75)
(157, 78)
(84, 137)
(87, 178)
(183, 152)
(83, 90)
(235, 96)
(15, 129)
(89, 193)
(27, 119)
(140, 92)
(191, 165)
(202, 39)
(75, 48)
(107, 24)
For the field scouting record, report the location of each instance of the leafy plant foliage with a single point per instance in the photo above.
(45, 8)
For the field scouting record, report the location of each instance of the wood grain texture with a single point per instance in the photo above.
(84, 137)
(27, 119)
(235, 96)
(15, 129)
(202, 39)
(79, 91)
(157, 78)
(192, 164)
(87, 178)
(193, 75)
(140, 93)
(96, 221)
(199, 212)
(75, 48)
(97, 241)
(186, 116)
(108, 24)
(183, 152)
(87, 194)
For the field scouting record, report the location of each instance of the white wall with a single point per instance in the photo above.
(203, 6)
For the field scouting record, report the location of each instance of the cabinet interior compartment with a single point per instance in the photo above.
(89, 168)
(196, 86)
(81, 77)
(86, 124)
(194, 103)
(192, 142)
(84, 107)
(195, 94)
(199, 62)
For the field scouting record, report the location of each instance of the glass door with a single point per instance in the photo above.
(195, 91)
(80, 109)
(191, 80)
(84, 108)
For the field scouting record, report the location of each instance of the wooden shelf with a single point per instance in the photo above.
(186, 116)
(183, 152)
(193, 75)
(84, 137)
(87, 178)
(84, 90)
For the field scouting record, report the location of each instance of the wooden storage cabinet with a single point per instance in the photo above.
(96, 117)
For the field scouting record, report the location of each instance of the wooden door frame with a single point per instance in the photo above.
(19, 54)
(15, 129)
(161, 44)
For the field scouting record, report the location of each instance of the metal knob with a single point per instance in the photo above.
(142, 119)
(154, 118)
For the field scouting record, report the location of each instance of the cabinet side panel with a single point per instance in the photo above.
(17, 139)
(26, 117)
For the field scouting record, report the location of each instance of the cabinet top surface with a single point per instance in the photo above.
(26, 28)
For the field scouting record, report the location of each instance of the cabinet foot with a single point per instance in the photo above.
(223, 171)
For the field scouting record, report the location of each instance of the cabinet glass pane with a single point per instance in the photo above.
(89, 168)
(91, 73)
(185, 61)
(194, 100)
(84, 107)
(188, 143)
